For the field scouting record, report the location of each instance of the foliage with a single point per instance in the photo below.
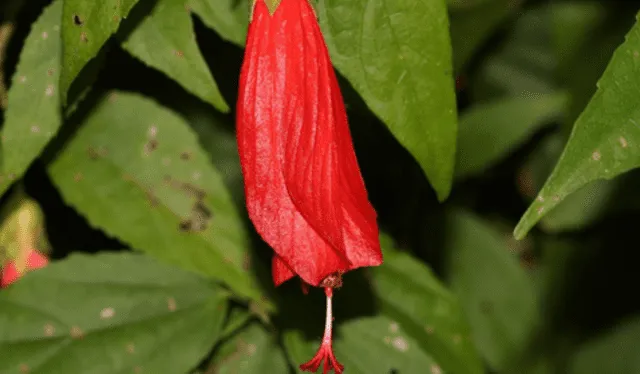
(498, 141)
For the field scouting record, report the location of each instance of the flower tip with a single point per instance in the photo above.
(325, 353)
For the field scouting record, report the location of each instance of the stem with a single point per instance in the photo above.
(328, 324)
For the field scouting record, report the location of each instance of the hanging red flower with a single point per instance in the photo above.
(303, 188)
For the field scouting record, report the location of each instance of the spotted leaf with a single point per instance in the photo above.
(427, 311)
(86, 26)
(33, 113)
(111, 313)
(135, 170)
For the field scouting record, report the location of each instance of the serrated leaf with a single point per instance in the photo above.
(229, 18)
(614, 352)
(411, 294)
(33, 113)
(165, 40)
(109, 313)
(252, 350)
(472, 23)
(494, 290)
(490, 131)
(404, 76)
(135, 170)
(86, 26)
(603, 142)
(367, 345)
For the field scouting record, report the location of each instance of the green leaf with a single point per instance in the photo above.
(86, 26)
(411, 294)
(602, 143)
(367, 345)
(573, 24)
(253, 350)
(585, 206)
(165, 40)
(472, 24)
(238, 317)
(494, 290)
(580, 208)
(614, 352)
(404, 76)
(135, 170)
(33, 114)
(229, 18)
(109, 313)
(489, 132)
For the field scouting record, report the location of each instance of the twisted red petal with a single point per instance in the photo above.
(303, 188)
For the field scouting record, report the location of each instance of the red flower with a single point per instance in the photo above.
(10, 273)
(303, 187)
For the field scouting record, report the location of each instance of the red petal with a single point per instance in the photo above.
(264, 104)
(321, 169)
(10, 274)
(280, 271)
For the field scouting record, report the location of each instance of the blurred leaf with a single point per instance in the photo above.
(33, 115)
(585, 28)
(603, 142)
(108, 313)
(473, 22)
(524, 63)
(404, 76)
(367, 345)
(614, 352)
(429, 313)
(165, 40)
(582, 208)
(135, 170)
(253, 350)
(22, 227)
(237, 319)
(490, 131)
(494, 290)
(86, 26)
(573, 23)
(229, 18)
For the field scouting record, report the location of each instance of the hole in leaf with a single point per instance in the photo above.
(77, 20)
